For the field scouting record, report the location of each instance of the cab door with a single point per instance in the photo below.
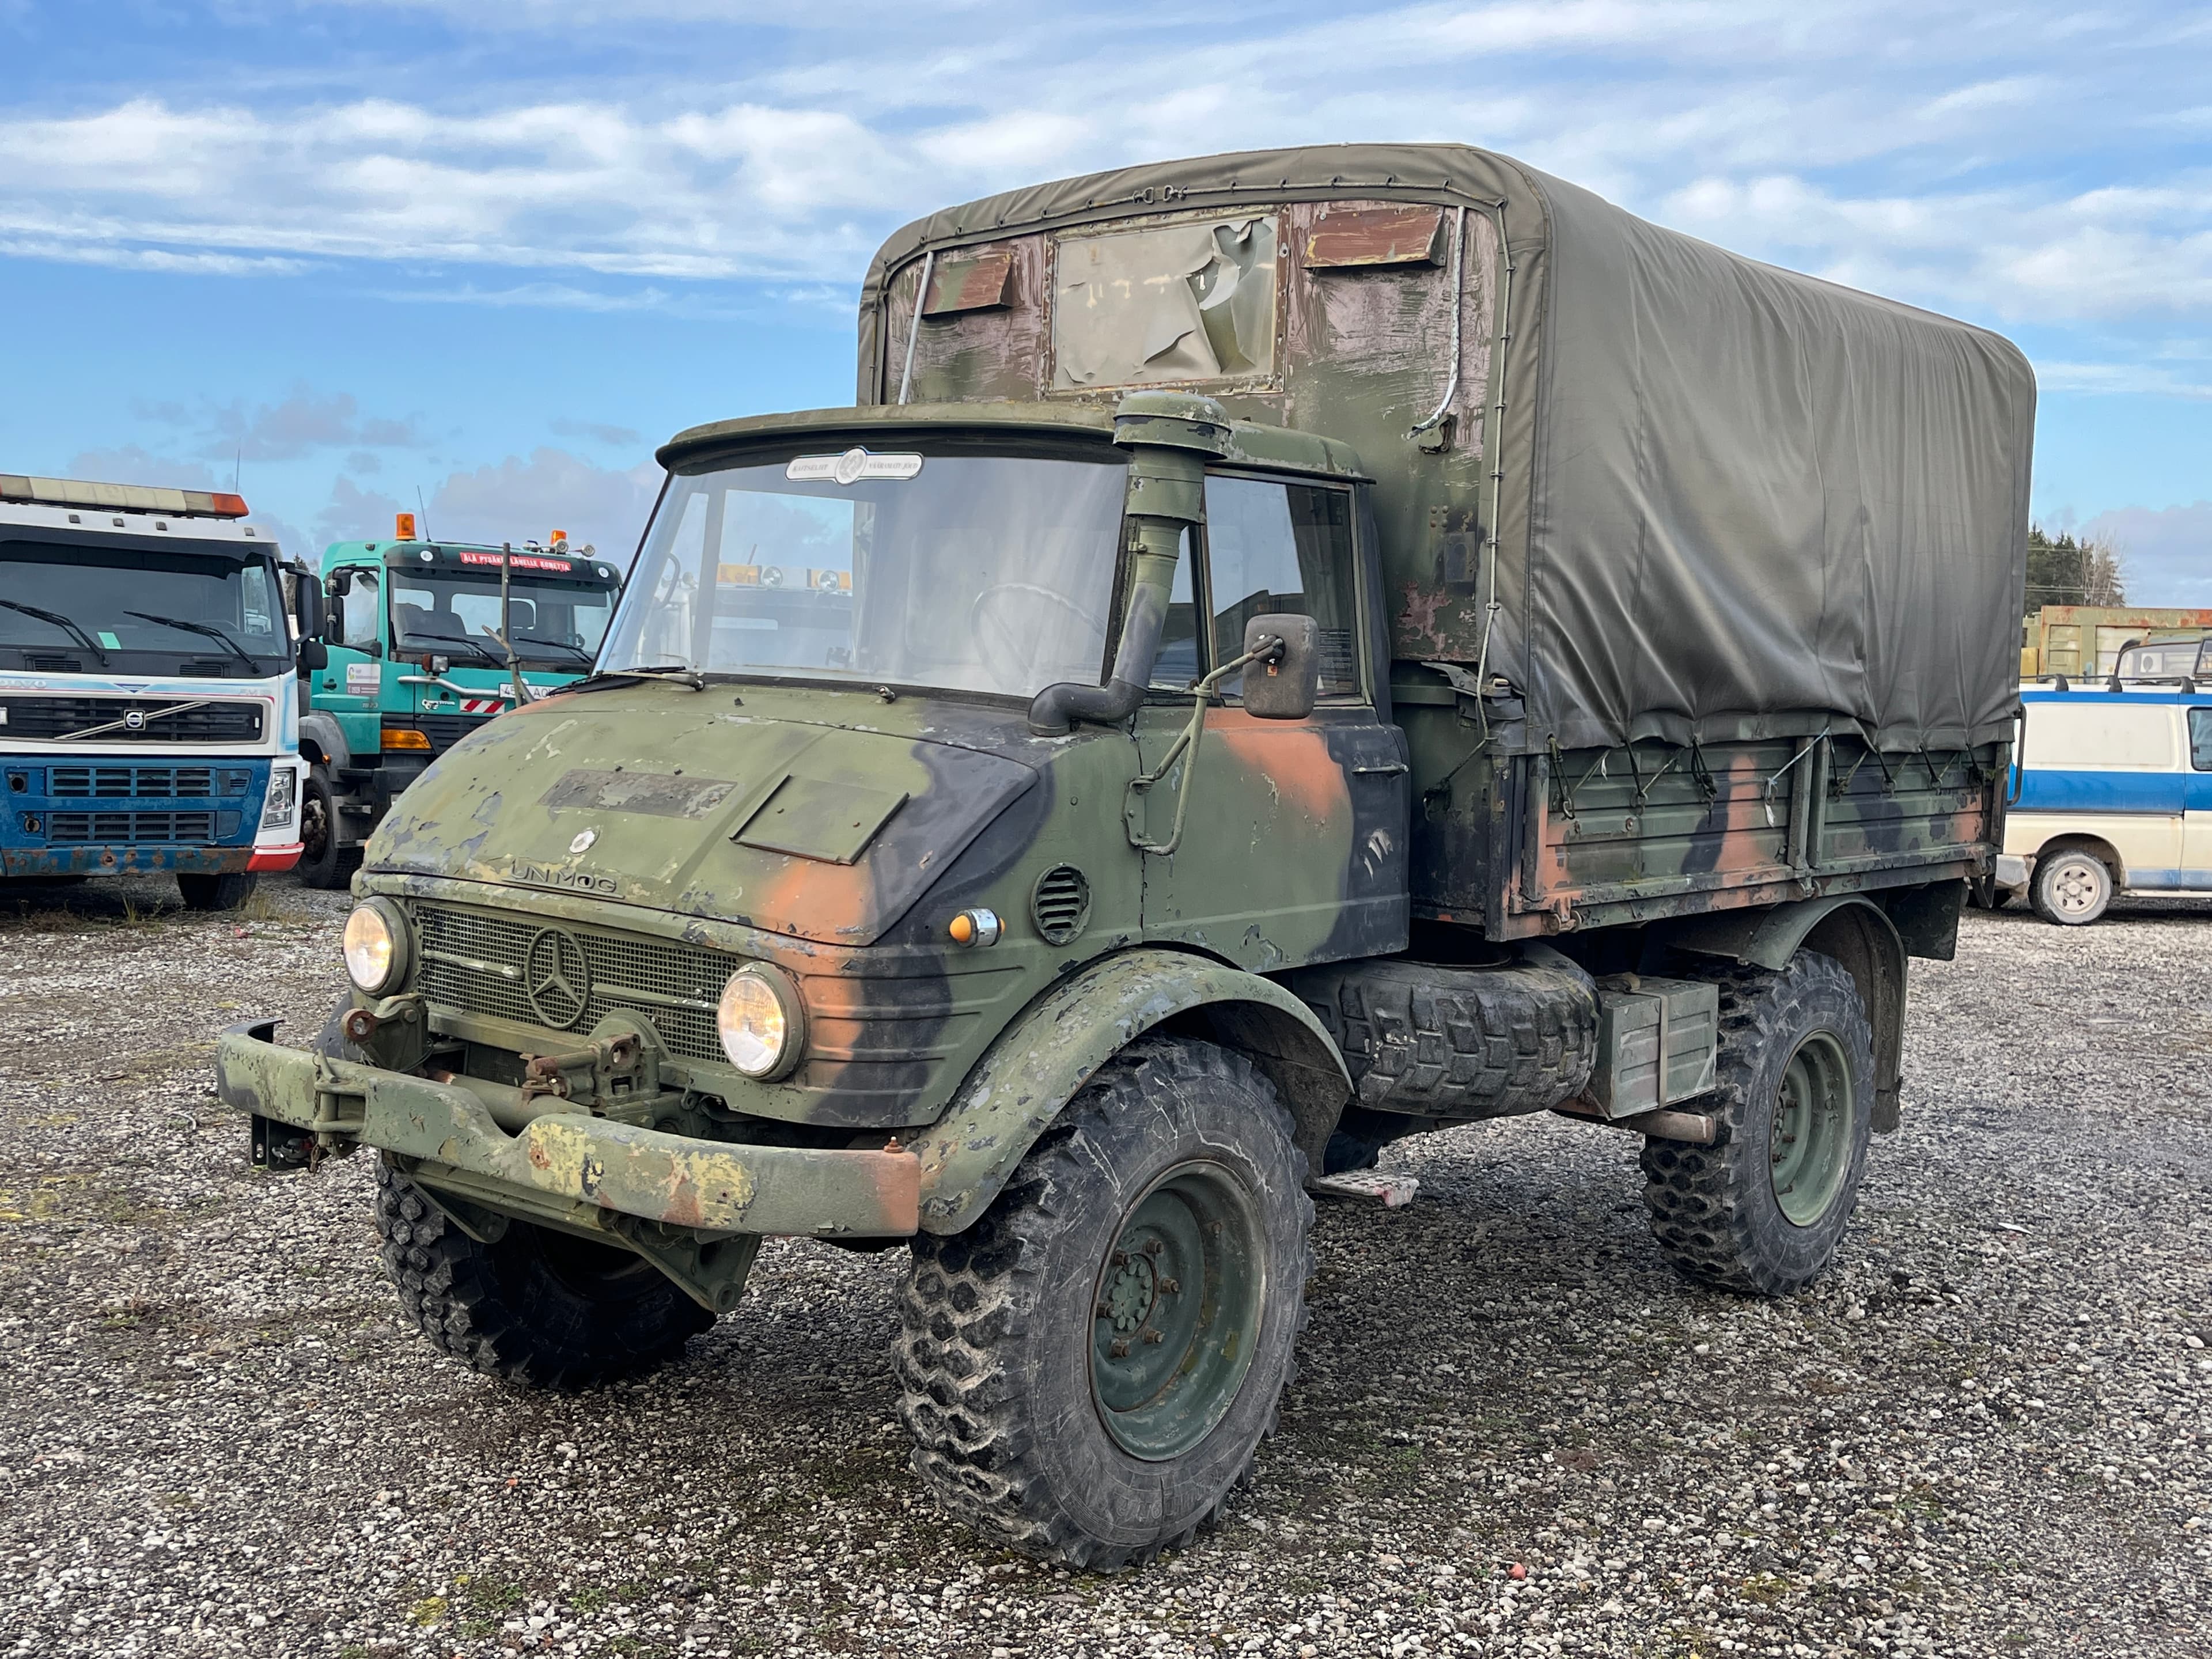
(2196, 801)
(350, 683)
(1293, 843)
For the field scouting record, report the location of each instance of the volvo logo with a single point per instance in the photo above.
(558, 978)
(134, 720)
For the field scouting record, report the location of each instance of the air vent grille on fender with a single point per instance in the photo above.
(1061, 903)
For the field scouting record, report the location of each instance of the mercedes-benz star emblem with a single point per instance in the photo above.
(558, 977)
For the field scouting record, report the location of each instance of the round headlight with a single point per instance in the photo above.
(376, 945)
(762, 1021)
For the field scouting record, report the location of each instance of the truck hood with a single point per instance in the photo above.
(694, 803)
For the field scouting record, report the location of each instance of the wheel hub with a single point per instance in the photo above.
(1809, 1142)
(1176, 1311)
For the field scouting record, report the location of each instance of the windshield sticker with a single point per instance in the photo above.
(851, 466)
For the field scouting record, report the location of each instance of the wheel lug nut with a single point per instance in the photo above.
(1153, 1247)
(1156, 1336)
(1170, 1286)
(1119, 1349)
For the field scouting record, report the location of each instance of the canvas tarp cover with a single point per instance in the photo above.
(1738, 501)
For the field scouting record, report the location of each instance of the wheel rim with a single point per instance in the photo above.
(1176, 1312)
(1811, 1139)
(2078, 887)
(314, 826)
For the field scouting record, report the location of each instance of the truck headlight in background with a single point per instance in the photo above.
(283, 804)
(376, 945)
(762, 1021)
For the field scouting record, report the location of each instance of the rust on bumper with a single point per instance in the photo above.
(710, 1185)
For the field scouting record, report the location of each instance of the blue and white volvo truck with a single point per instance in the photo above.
(148, 688)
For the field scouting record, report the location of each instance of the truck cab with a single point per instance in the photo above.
(147, 709)
(418, 633)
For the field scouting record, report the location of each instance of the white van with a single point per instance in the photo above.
(2115, 797)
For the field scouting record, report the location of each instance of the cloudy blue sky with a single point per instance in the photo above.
(493, 253)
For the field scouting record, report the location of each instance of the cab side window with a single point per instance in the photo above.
(1176, 667)
(363, 602)
(2200, 739)
(1275, 549)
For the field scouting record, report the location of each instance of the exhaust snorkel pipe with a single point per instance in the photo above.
(1169, 436)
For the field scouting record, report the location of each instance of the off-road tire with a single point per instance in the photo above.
(1435, 1041)
(1713, 1209)
(227, 891)
(323, 862)
(2071, 887)
(994, 1355)
(538, 1308)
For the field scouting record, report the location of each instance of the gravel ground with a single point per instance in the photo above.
(1515, 1431)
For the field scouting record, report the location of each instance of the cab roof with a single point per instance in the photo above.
(433, 554)
(1250, 444)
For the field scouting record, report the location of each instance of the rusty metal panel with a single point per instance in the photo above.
(1348, 239)
(976, 284)
(974, 352)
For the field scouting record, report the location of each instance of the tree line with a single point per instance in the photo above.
(2062, 570)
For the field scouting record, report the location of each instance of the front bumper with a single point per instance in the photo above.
(569, 1158)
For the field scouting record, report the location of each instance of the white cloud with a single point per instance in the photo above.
(2167, 551)
(519, 500)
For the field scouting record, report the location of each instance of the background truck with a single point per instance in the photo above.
(147, 709)
(1327, 645)
(418, 659)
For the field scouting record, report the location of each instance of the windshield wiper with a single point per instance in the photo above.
(580, 654)
(482, 654)
(599, 680)
(59, 620)
(208, 629)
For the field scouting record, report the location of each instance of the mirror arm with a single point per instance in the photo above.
(1267, 650)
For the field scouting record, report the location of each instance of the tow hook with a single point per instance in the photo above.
(547, 1075)
(359, 1025)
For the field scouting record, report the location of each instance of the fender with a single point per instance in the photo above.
(1056, 1045)
(321, 728)
(1849, 927)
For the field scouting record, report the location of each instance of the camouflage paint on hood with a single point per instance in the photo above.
(717, 803)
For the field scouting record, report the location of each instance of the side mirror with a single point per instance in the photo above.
(313, 654)
(1285, 683)
(307, 602)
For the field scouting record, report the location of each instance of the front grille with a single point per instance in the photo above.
(133, 829)
(145, 782)
(475, 961)
(61, 717)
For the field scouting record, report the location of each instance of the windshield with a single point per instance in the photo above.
(445, 613)
(968, 572)
(83, 608)
(2168, 661)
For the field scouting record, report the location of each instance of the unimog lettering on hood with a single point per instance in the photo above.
(1288, 651)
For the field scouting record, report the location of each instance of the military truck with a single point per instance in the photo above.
(1325, 645)
(418, 633)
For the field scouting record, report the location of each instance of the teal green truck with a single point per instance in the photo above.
(417, 633)
(1283, 653)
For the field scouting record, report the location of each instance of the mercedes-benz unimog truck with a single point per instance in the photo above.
(419, 636)
(147, 703)
(1324, 645)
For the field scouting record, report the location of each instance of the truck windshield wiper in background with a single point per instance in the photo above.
(206, 628)
(577, 651)
(59, 620)
(482, 654)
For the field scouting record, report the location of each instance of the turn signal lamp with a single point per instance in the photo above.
(406, 737)
(975, 927)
